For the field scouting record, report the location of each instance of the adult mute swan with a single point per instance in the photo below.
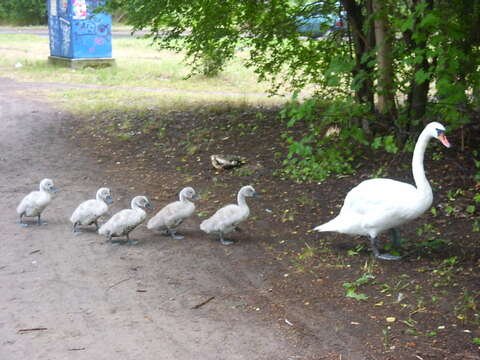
(228, 217)
(123, 222)
(88, 212)
(377, 205)
(173, 214)
(34, 203)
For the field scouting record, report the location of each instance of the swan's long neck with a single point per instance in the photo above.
(241, 199)
(418, 170)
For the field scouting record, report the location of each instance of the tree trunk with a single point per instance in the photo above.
(363, 43)
(385, 93)
(418, 96)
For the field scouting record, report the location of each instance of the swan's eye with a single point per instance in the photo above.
(440, 132)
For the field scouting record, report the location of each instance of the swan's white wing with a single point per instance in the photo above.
(34, 203)
(225, 219)
(380, 195)
(122, 222)
(376, 205)
(89, 211)
(171, 215)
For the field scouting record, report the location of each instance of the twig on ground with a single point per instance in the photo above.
(203, 302)
(76, 349)
(34, 251)
(32, 329)
(118, 283)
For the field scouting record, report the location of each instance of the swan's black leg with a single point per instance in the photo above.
(395, 238)
(377, 254)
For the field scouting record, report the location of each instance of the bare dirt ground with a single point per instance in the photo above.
(90, 300)
(279, 292)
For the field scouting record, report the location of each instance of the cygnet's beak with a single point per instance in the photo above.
(109, 200)
(255, 195)
(54, 189)
(196, 197)
(148, 206)
(443, 139)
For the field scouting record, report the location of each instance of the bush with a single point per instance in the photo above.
(23, 12)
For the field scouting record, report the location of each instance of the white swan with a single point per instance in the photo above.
(228, 217)
(34, 203)
(124, 221)
(377, 205)
(173, 214)
(88, 212)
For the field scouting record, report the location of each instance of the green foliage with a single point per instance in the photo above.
(23, 12)
(435, 47)
(385, 142)
(314, 153)
(351, 288)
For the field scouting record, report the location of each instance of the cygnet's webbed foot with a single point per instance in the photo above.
(388, 257)
(40, 222)
(174, 235)
(225, 241)
(20, 220)
(76, 233)
(132, 242)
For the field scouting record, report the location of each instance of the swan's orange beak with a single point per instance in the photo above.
(443, 139)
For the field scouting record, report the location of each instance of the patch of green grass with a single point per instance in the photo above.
(139, 65)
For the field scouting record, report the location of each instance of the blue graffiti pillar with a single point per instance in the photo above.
(79, 37)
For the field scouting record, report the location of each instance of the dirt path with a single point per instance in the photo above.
(98, 301)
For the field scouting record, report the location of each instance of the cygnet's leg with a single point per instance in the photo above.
(21, 220)
(75, 231)
(131, 242)
(225, 241)
(40, 222)
(238, 229)
(109, 239)
(96, 225)
(174, 235)
(165, 232)
(381, 256)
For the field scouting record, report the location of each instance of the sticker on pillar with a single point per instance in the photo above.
(53, 7)
(79, 9)
(64, 5)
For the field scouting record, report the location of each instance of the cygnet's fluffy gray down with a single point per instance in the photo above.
(88, 212)
(173, 214)
(34, 203)
(228, 217)
(123, 222)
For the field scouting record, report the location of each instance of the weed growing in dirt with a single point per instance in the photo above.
(351, 288)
